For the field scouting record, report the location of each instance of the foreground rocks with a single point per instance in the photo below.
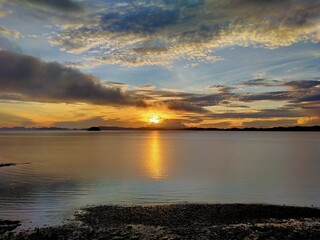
(186, 221)
(7, 226)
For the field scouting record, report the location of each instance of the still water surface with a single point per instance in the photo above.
(69, 170)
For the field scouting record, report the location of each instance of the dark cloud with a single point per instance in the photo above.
(36, 80)
(303, 84)
(140, 20)
(267, 96)
(265, 113)
(211, 100)
(312, 98)
(262, 82)
(158, 94)
(177, 105)
(223, 124)
(222, 89)
(64, 5)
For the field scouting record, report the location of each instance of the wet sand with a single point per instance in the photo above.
(185, 221)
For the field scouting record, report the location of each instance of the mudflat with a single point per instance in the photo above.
(185, 221)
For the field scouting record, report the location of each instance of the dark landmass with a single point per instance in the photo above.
(186, 221)
(94, 129)
(33, 129)
(7, 164)
(12, 164)
(274, 129)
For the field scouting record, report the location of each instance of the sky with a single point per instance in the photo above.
(186, 63)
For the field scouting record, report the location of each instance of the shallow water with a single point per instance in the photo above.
(69, 170)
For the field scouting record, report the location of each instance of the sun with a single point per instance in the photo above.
(154, 119)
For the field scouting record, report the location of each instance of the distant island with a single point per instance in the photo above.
(94, 129)
(34, 129)
(105, 128)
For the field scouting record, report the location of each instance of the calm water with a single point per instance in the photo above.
(69, 170)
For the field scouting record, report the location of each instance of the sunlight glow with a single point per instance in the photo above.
(154, 119)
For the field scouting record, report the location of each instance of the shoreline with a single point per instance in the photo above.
(184, 221)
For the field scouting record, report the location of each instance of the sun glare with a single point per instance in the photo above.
(154, 119)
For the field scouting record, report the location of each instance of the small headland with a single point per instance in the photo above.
(93, 129)
(7, 164)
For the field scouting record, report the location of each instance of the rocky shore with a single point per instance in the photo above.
(184, 221)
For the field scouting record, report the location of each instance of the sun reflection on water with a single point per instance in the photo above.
(155, 161)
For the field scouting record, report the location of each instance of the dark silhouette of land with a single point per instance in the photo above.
(94, 129)
(19, 128)
(273, 129)
(7, 164)
(12, 164)
(104, 128)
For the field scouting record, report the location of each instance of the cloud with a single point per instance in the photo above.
(177, 105)
(150, 92)
(300, 96)
(222, 124)
(303, 94)
(309, 121)
(158, 32)
(222, 89)
(212, 99)
(303, 84)
(172, 124)
(265, 113)
(36, 80)
(27, 78)
(264, 82)
(9, 33)
(11, 120)
(267, 96)
(312, 98)
(63, 5)
(270, 123)
(307, 94)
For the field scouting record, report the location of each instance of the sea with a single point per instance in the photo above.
(59, 173)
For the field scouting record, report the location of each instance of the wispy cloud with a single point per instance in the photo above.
(9, 33)
(264, 82)
(12, 120)
(143, 32)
